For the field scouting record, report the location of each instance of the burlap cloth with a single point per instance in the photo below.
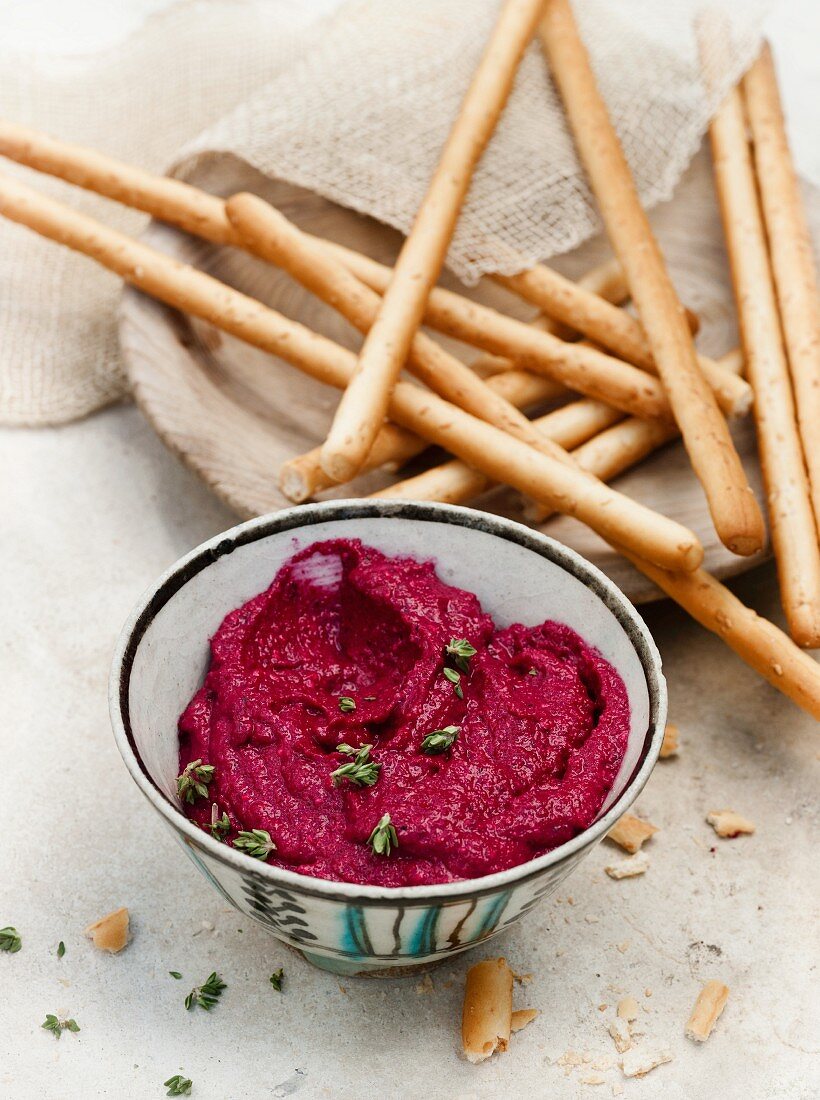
(355, 107)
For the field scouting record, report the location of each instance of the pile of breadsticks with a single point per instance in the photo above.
(638, 382)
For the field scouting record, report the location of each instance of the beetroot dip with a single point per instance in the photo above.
(542, 725)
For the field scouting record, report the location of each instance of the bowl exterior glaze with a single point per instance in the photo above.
(342, 927)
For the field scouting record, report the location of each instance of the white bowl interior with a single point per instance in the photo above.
(513, 584)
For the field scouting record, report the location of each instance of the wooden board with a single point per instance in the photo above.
(234, 414)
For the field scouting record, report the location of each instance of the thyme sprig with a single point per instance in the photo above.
(254, 842)
(178, 1085)
(219, 826)
(440, 740)
(207, 994)
(276, 979)
(193, 781)
(383, 838)
(455, 679)
(346, 704)
(10, 940)
(57, 1026)
(460, 650)
(361, 771)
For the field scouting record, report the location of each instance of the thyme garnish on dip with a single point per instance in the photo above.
(254, 842)
(346, 704)
(440, 740)
(362, 771)
(207, 994)
(276, 979)
(178, 1085)
(455, 679)
(220, 826)
(383, 838)
(194, 780)
(57, 1026)
(461, 651)
(10, 940)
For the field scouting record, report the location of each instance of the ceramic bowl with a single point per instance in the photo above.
(518, 574)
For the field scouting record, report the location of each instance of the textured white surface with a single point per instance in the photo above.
(90, 515)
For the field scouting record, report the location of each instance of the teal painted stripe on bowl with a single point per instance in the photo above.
(423, 939)
(355, 937)
(492, 914)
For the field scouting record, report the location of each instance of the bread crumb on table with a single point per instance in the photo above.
(631, 832)
(621, 1035)
(727, 823)
(628, 1009)
(110, 933)
(710, 1003)
(521, 1017)
(637, 1063)
(671, 741)
(628, 868)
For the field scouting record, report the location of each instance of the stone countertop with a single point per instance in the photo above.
(92, 513)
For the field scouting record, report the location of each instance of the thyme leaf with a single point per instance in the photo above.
(193, 781)
(254, 842)
(361, 771)
(383, 838)
(207, 994)
(440, 740)
(10, 940)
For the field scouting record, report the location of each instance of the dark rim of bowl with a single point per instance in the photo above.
(307, 515)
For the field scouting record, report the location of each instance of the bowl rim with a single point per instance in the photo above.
(162, 591)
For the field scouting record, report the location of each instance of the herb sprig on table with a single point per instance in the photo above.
(361, 771)
(277, 978)
(10, 940)
(207, 994)
(57, 1026)
(178, 1085)
(383, 838)
(193, 781)
(254, 842)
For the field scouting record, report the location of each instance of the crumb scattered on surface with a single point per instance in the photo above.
(647, 992)
(727, 823)
(521, 1017)
(628, 1009)
(709, 1004)
(425, 985)
(522, 979)
(623, 947)
(631, 832)
(110, 933)
(593, 1079)
(671, 741)
(637, 1063)
(621, 1035)
(590, 918)
(628, 868)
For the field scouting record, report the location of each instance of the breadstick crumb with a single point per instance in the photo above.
(729, 824)
(110, 933)
(710, 1003)
(631, 832)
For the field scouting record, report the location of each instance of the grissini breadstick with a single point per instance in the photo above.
(279, 241)
(735, 512)
(454, 482)
(302, 477)
(756, 641)
(582, 426)
(478, 443)
(487, 1013)
(198, 212)
(791, 256)
(615, 329)
(529, 346)
(363, 406)
(794, 532)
